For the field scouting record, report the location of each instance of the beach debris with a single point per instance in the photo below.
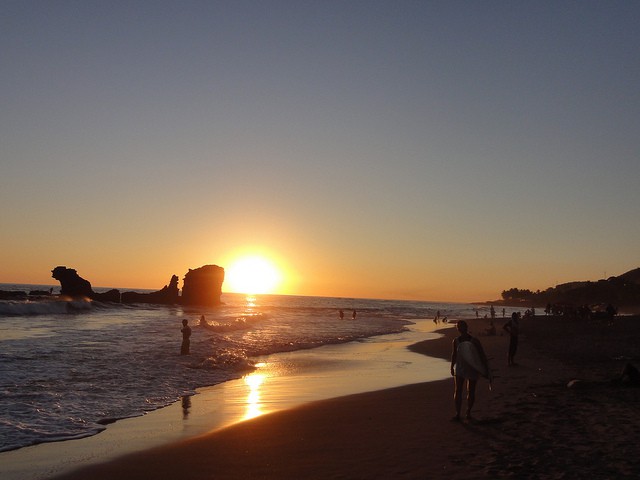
(575, 383)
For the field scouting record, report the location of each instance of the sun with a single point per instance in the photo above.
(252, 274)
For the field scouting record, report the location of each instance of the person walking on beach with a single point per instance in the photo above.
(513, 327)
(463, 373)
(186, 336)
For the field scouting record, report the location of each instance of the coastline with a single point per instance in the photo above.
(282, 381)
(530, 426)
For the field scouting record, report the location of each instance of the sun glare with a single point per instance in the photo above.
(252, 275)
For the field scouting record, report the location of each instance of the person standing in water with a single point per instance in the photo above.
(463, 373)
(186, 336)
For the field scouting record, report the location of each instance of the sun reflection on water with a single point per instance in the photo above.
(254, 381)
(251, 301)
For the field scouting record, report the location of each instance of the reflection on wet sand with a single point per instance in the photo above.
(254, 381)
(186, 405)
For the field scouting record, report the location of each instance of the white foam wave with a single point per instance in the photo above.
(58, 306)
(240, 323)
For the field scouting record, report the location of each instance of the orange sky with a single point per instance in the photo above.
(417, 151)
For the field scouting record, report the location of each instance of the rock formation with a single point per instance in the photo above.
(12, 295)
(72, 284)
(167, 295)
(203, 286)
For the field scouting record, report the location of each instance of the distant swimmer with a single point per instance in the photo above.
(186, 336)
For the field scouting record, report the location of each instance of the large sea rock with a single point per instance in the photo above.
(72, 284)
(203, 286)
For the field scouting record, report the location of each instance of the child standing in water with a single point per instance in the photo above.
(186, 335)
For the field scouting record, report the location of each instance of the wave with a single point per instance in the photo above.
(226, 360)
(240, 323)
(48, 307)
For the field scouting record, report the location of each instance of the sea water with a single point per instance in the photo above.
(68, 368)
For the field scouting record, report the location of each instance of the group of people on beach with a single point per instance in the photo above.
(463, 368)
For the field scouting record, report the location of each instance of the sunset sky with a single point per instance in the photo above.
(401, 149)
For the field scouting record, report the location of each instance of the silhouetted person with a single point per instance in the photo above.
(186, 335)
(611, 312)
(341, 313)
(463, 373)
(186, 405)
(354, 314)
(491, 329)
(513, 327)
(630, 375)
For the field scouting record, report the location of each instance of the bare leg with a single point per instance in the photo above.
(457, 394)
(471, 395)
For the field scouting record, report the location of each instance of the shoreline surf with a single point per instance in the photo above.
(532, 425)
(281, 381)
(66, 375)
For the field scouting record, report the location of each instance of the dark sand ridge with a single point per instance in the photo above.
(530, 426)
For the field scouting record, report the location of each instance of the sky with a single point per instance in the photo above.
(428, 150)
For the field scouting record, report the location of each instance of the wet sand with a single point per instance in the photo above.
(281, 381)
(530, 426)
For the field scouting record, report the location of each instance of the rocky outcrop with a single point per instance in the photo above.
(169, 294)
(112, 295)
(72, 284)
(12, 295)
(203, 286)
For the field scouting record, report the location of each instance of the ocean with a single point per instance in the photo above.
(69, 368)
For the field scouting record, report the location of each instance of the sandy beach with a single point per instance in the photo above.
(531, 425)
